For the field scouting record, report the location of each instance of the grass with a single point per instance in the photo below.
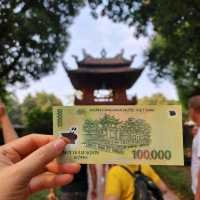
(178, 179)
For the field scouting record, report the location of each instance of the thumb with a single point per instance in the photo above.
(32, 164)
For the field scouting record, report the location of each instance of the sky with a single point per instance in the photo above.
(94, 35)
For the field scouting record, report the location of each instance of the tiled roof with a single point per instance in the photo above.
(103, 61)
(117, 60)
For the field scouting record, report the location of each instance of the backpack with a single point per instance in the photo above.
(145, 188)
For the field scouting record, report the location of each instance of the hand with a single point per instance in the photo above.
(28, 165)
(197, 195)
(2, 110)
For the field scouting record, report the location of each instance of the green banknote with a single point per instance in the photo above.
(120, 134)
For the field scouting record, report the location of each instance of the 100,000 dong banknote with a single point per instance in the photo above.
(120, 134)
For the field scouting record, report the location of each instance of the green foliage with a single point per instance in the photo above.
(176, 22)
(184, 73)
(37, 112)
(108, 121)
(178, 179)
(39, 121)
(160, 99)
(90, 126)
(175, 48)
(132, 12)
(39, 195)
(33, 36)
(157, 99)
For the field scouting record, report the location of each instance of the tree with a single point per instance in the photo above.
(160, 99)
(185, 75)
(37, 112)
(175, 48)
(156, 99)
(33, 36)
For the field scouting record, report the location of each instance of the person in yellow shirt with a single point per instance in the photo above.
(120, 184)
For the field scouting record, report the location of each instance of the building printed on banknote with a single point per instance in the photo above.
(110, 134)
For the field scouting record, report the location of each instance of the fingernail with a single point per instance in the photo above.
(59, 144)
(66, 140)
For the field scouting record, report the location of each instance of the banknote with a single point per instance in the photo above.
(120, 134)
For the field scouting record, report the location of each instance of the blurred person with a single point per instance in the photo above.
(194, 131)
(8, 131)
(28, 165)
(120, 183)
(194, 111)
(78, 189)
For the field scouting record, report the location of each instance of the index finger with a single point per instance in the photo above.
(27, 144)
